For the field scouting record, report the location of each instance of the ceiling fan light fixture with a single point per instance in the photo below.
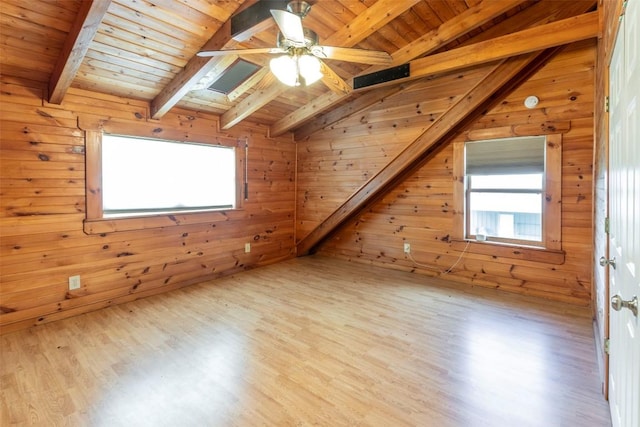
(292, 69)
(300, 63)
(309, 68)
(285, 69)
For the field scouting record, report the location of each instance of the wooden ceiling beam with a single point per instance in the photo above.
(251, 82)
(499, 81)
(370, 21)
(538, 14)
(565, 31)
(355, 106)
(270, 88)
(333, 81)
(322, 120)
(450, 30)
(198, 67)
(365, 24)
(75, 47)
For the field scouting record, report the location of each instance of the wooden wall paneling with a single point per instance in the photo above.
(419, 210)
(501, 79)
(355, 138)
(90, 103)
(42, 195)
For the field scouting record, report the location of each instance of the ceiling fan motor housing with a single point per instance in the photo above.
(300, 8)
(310, 39)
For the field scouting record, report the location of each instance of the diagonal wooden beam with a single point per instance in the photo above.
(198, 67)
(499, 81)
(252, 81)
(565, 31)
(365, 24)
(270, 88)
(371, 20)
(333, 81)
(355, 106)
(450, 30)
(537, 15)
(75, 47)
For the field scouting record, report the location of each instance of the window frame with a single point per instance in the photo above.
(96, 223)
(551, 242)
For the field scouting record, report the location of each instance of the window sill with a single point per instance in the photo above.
(115, 224)
(502, 250)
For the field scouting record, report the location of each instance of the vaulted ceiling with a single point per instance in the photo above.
(146, 50)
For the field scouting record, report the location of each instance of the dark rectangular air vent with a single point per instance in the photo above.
(382, 76)
(233, 76)
(254, 15)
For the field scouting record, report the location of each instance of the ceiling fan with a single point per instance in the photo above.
(299, 61)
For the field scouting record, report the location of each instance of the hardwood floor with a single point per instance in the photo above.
(311, 341)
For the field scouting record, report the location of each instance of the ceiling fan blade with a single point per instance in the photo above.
(364, 56)
(207, 53)
(290, 25)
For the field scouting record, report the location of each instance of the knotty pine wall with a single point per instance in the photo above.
(332, 164)
(42, 208)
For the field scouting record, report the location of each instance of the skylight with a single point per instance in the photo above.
(234, 76)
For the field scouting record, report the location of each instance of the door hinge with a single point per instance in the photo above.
(607, 345)
(606, 104)
(606, 225)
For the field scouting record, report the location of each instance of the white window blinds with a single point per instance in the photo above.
(505, 156)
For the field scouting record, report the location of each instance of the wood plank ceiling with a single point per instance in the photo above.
(146, 50)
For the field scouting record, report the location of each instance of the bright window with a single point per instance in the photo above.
(506, 206)
(142, 176)
(504, 192)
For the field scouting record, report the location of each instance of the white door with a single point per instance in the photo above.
(624, 210)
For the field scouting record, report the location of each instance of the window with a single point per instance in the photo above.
(508, 192)
(136, 182)
(505, 182)
(142, 176)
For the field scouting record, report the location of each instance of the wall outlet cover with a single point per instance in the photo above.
(74, 283)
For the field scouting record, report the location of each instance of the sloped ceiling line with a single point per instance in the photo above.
(435, 136)
(75, 47)
(198, 67)
(450, 30)
(564, 32)
(378, 15)
(501, 80)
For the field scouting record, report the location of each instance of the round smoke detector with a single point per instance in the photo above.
(531, 101)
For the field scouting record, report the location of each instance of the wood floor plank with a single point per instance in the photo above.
(310, 341)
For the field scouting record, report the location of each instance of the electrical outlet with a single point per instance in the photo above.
(247, 248)
(74, 283)
(407, 248)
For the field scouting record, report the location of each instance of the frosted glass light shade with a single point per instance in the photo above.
(285, 69)
(290, 70)
(309, 68)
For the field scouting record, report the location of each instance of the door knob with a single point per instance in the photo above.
(617, 303)
(611, 262)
